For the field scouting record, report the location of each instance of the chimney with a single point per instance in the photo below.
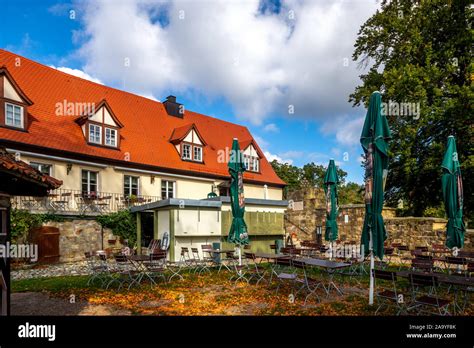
(173, 108)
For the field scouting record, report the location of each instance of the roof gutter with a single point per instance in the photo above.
(162, 174)
(38, 155)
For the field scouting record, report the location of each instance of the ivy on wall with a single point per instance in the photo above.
(22, 221)
(122, 224)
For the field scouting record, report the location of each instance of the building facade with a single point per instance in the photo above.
(115, 150)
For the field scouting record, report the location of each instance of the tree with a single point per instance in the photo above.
(288, 173)
(314, 174)
(420, 53)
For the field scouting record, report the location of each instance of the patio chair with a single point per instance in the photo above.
(196, 260)
(157, 265)
(308, 284)
(207, 258)
(254, 270)
(285, 272)
(387, 294)
(423, 265)
(460, 264)
(425, 295)
(404, 255)
(121, 273)
(184, 256)
(229, 261)
(97, 268)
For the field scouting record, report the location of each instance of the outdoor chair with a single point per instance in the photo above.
(185, 256)
(387, 294)
(460, 264)
(207, 258)
(404, 255)
(254, 270)
(229, 261)
(157, 266)
(121, 273)
(423, 265)
(425, 295)
(308, 285)
(196, 260)
(97, 268)
(285, 272)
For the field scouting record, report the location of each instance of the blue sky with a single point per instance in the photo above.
(282, 69)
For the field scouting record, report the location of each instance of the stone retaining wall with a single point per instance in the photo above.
(413, 231)
(77, 236)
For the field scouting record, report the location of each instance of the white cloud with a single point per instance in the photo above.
(270, 157)
(292, 154)
(347, 129)
(78, 73)
(260, 63)
(271, 127)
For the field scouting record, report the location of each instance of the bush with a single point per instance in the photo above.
(122, 224)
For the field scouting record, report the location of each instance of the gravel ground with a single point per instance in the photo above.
(55, 270)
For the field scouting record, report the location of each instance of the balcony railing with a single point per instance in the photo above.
(64, 201)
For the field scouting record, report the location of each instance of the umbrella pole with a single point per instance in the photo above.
(371, 290)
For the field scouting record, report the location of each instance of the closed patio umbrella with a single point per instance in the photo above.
(238, 230)
(330, 189)
(374, 141)
(453, 196)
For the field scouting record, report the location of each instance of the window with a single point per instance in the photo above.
(252, 163)
(89, 182)
(43, 168)
(110, 137)
(13, 115)
(130, 185)
(167, 189)
(186, 151)
(198, 153)
(95, 134)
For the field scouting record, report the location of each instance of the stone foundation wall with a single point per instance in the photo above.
(77, 236)
(413, 231)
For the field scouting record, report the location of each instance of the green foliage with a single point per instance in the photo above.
(420, 53)
(312, 175)
(438, 212)
(22, 221)
(122, 224)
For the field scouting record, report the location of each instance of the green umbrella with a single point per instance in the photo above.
(330, 188)
(453, 196)
(374, 139)
(238, 231)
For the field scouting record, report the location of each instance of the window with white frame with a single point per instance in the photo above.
(130, 185)
(110, 137)
(42, 167)
(186, 152)
(197, 153)
(252, 163)
(168, 189)
(95, 134)
(89, 182)
(14, 115)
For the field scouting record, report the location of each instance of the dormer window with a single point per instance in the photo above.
(101, 126)
(252, 155)
(110, 137)
(197, 153)
(13, 103)
(95, 134)
(188, 143)
(14, 115)
(186, 151)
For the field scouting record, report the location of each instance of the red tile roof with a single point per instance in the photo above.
(9, 163)
(146, 132)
